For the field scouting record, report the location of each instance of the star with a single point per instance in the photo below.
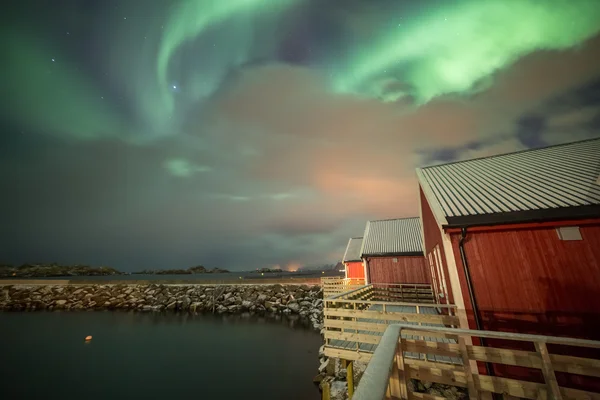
(53, 60)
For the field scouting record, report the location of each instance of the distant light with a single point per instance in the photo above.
(53, 60)
(322, 272)
(174, 87)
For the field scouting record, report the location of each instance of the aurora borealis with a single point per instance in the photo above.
(250, 133)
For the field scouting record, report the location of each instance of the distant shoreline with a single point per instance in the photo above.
(265, 281)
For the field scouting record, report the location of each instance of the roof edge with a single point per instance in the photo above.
(528, 216)
(511, 152)
(434, 205)
(405, 254)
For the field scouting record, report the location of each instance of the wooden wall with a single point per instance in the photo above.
(528, 280)
(433, 237)
(355, 270)
(407, 269)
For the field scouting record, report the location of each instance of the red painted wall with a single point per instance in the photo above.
(529, 281)
(407, 269)
(355, 270)
(433, 237)
(532, 282)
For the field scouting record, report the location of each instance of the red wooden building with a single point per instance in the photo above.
(392, 252)
(352, 260)
(514, 239)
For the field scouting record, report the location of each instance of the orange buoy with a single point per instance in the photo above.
(88, 338)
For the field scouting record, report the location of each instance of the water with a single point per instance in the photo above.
(153, 356)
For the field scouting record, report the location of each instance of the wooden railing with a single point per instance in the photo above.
(333, 285)
(389, 370)
(353, 326)
(398, 292)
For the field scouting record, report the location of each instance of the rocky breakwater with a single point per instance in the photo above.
(305, 301)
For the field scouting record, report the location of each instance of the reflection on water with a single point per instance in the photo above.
(147, 356)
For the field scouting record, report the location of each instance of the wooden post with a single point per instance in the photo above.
(326, 394)
(548, 371)
(473, 394)
(350, 378)
(397, 382)
(355, 320)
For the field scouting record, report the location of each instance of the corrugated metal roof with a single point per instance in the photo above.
(393, 237)
(555, 177)
(352, 252)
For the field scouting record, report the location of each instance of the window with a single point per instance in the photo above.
(394, 260)
(569, 233)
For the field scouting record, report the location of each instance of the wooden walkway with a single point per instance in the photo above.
(370, 347)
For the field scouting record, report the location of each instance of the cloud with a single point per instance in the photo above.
(183, 168)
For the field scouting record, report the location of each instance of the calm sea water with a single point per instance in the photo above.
(153, 356)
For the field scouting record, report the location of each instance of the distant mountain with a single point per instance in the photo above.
(190, 271)
(326, 267)
(54, 270)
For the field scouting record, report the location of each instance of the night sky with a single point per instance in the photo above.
(255, 133)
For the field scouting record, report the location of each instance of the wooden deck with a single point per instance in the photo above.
(355, 321)
(369, 348)
(389, 371)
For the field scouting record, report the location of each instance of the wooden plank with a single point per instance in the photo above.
(548, 371)
(429, 364)
(353, 337)
(400, 370)
(512, 387)
(575, 394)
(397, 383)
(467, 369)
(521, 358)
(447, 377)
(348, 354)
(365, 326)
(400, 317)
(421, 346)
(409, 331)
(432, 305)
(576, 365)
(423, 396)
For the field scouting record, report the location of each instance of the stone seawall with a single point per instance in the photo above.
(306, 301)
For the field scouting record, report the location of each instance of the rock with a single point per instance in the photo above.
(61, 302)
(427, 384)
(338, 390)
(185, 304)
(171, 306)
(293, 306)
(317, 379)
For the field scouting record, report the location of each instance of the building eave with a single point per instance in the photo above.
(409, 254)
(524, 217)
(434, 205)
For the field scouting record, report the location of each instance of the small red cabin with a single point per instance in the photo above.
(514, 239)
(352, 261)
(392, 252)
